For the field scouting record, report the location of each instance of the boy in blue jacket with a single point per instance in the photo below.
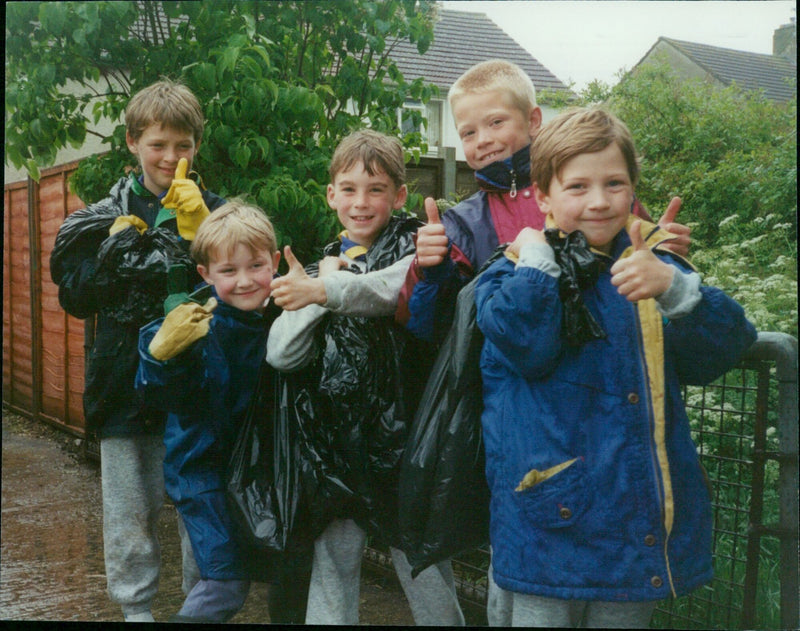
(599, 505)
(110, 262)
(201, 365)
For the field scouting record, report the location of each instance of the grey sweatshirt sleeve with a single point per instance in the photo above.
(681, 297)
(290, 345)
(291, 338)
(371, 295)
(540, 256)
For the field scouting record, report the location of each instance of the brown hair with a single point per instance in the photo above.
(235, 222)
(167, 103)
(578, 131)
(376, 151)
(496, 74)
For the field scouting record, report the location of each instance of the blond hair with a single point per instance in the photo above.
(578, 131)
(500, 75)
(167, 103)
(376, 151)
(235, 222)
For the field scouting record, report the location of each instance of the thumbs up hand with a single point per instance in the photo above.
(431, 238)
(641, 275)
(680, 245)
(297, 289)
(185, 197)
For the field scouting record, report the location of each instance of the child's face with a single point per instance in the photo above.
(158, 149)
(364, 202)
(242, 277)
(491, 128)
(593, 194)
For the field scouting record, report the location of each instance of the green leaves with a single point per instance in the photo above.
(280, 83)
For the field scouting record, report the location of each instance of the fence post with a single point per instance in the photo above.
(35, 288)
(783, 349)
(449, 172)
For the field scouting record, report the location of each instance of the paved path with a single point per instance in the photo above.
(51, 561)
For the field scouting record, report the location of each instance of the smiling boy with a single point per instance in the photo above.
(338, 326)
(201, 364)
(151, 214)
(599, 505)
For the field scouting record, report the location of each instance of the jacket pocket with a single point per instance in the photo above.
(555, 497)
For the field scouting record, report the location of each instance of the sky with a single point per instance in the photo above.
(584, 40)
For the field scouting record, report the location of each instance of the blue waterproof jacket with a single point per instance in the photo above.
(597, 492)
(206, 391)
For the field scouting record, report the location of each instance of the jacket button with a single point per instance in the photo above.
(650, 540)
(656, 581)
(633, 398)
(565, 513)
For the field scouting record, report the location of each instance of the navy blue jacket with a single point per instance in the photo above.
(206, 391)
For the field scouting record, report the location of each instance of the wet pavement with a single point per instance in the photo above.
(51, 543)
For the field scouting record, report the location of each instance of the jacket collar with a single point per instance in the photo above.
(507, 175)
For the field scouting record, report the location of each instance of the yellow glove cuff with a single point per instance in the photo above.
(125, 221)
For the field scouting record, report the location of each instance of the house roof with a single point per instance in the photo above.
(751, 71)
(460, 40)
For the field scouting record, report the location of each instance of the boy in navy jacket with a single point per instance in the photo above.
(201, 364)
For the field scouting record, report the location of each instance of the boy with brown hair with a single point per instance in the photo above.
(110, 261)
(599, 502)
(338, 328)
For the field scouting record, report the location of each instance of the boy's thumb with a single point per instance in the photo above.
(637, 241)
(180, 171)
(291, 260)
(432, 210)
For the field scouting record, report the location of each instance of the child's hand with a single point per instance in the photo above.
(126, 221)
(330, 264)
(679, 246)
(187, 200)
(297, 289)
(431, 238)
(183, 326)
(525, 236)
(642, 275)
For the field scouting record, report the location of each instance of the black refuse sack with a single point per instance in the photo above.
(135, 268)
(579, 270)
(444, 497)
(355, 414)
(264, 479)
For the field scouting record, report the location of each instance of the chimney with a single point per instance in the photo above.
(784, 42)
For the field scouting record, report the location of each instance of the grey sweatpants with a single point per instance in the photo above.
(336, 574)
(133, 494)
(512, 609)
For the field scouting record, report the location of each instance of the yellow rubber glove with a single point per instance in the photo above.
(125, 221)
(183, 326)
(185, 197)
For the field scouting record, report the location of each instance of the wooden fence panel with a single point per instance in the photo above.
(42, 345)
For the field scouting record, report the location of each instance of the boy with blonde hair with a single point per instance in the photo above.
(599, 501)
(110, 261)
(200, 364)
(338, 327)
